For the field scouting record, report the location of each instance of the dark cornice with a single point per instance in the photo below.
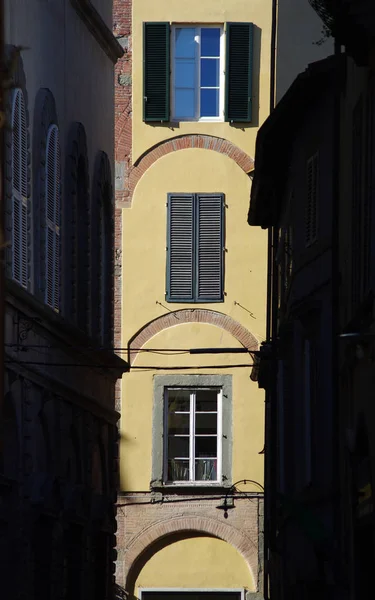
(98, 28)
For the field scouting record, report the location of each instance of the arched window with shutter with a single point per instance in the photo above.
(52, 224)
(19, 239)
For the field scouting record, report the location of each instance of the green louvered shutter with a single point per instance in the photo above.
(209, 247)
(180, 248)
(156, 72)
(239, 72)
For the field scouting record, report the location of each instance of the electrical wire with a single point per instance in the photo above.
(104, 366)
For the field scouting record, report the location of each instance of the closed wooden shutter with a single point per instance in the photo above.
(52, 194)
(311, 217)
(156, 72)
(239, 72)
(19, 190)
(209, 247)
(180, 246)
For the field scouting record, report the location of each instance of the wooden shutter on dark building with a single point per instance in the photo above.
(209, 252)
(180, 247)
(239, 73)
(156, 72)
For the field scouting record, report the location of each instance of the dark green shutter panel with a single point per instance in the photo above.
(239, 72)
(180, 247)
(209, 247)
(156, 72)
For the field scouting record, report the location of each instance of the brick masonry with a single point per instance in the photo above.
(144, 522)
(122, 15)
(133, 173)
(192, 315)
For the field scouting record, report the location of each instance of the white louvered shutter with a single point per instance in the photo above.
(209, 247)
(180, 247)
(52, 195)
(311, 224)
(19, 190)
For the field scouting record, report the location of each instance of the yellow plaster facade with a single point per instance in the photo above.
(212, 12)
(198, 562)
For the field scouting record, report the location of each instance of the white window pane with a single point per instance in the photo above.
(206, 423)
(178, 470)
(205, 446)
(210, 72)
(185, 76)
(206, 470)
(185, 44)
(209, 103)
(206, 401)
(184, 103)
(210, 41)
(178, 447)
(178, 400)
(178, 424)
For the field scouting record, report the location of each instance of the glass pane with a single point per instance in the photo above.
(184, 76)
(185, 45)
(209, 103)
(178, 470)
(206, 470)
(209, 72)
(178, 423)
(205, 446)
(206, 401)
(178, 400)
(210, 41)
(206, 423)
(178, 447)
(184, 101)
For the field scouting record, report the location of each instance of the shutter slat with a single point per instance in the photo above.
(52, 194)
(209, 247)
(19, 190)
(156, 72)
(239, 70)
(180, 248)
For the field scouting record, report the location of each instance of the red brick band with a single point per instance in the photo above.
(192, 315)
(243, 544)
(207, 142)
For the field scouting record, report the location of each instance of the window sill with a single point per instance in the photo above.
(190, 485)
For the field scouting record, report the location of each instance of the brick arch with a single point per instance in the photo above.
(192, 315)
(206, 142)
(149, 536)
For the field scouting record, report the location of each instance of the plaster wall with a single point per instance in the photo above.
(198, 562)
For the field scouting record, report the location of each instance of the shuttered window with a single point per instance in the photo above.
(189, 67)
(239, 72)
(311, 214)
(195, 247)
(156, 72)
(19, 190)
(52, 239)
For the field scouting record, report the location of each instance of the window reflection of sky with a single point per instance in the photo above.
(186, 94)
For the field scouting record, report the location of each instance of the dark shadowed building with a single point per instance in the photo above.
(58, 471)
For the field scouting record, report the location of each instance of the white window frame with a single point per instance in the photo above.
(219, 435)
(197, 118)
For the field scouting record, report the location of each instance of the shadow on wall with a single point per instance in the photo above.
(137, 567)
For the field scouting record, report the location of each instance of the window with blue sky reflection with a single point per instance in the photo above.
(196, 73)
